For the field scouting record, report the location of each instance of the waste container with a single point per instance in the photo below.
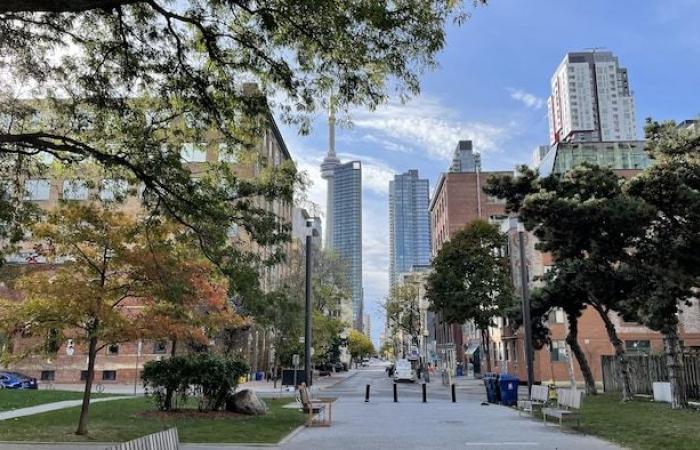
(508, 385)
(491, 385)
(259, 375)
(460, 371)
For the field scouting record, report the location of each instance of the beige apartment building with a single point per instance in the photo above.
(122, 363)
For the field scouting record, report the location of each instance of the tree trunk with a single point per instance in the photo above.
(173, 347)
(572, 340)
(487, 349)
(92, 354)
(676, 378)
(624, 373)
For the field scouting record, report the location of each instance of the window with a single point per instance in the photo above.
(48, 375)
(109, 375)
(227, 155)
(159, 347)
(640, 347)
(75, 190)
(556, 315)
(557, 351)
(83, 375)
(194, 152)
(113, 190)
(37, 190)
(113, 349)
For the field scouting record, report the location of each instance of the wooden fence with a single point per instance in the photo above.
(645, 369)
(165, 440)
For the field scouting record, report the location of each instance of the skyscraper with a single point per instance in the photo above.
(409, 224)
(347, 229)
(591, 100)
(344, 216)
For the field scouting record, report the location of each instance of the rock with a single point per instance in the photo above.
(246, 402)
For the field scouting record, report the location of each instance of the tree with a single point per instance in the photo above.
(666, 265)
(402, 312)
(471, 280)
(359, 345)
(101, 268)
(586, 221)
(124, 83)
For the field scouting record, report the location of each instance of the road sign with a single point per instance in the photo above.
(295, 360)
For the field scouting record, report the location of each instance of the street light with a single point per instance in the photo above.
(527, 321)
(308, 312)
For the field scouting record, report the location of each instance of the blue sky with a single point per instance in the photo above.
(491, 87)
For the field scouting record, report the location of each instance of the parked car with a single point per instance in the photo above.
(16, 380)
(404, 371)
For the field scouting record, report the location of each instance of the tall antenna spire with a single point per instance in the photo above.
(331, 127)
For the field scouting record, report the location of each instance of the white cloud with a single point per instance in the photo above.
(426, 124)
(526, 98)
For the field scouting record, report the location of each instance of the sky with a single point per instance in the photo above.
(491, 87)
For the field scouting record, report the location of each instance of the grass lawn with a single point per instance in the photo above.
(122, 420)
(640, 424)
(23, 398)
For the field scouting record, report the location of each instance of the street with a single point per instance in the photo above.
(439, 423)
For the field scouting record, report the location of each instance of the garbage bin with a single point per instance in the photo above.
(491, 385)
(509, 389)
(259, 375)
(460, 371)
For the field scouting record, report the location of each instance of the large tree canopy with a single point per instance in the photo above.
(124, 83)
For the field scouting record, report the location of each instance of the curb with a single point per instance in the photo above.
(338, 382)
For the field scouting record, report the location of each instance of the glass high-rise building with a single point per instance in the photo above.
(409, 224)
(346, 233)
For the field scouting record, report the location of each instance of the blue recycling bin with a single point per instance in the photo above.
(259, 375)
(491, 385)
(460, 371)
(508, 385)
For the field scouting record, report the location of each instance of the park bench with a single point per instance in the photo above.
(318, 409)
(568, 405)
(538, 398)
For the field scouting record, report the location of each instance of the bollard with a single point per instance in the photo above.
(396, 393)
(367, 394)
(454, 394)
(425, 394)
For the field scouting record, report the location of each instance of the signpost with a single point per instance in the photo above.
(295, 363)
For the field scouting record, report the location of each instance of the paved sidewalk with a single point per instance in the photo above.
(46, 407)
(267, 388)
(437, 424)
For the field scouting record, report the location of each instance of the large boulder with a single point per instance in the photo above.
(246, 402)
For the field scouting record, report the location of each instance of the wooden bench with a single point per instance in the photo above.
(318, 409)
(538, 398)
(568, 405)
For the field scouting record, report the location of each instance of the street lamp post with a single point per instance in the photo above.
(308, 312)
(527, 321)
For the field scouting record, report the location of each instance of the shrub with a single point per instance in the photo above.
(211, 377)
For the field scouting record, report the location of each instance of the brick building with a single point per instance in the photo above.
(122, 363)
(458, 200)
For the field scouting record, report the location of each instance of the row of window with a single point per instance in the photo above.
(107, 375)
(40, 189)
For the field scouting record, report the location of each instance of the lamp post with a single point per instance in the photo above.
(308, 312)
(527, 321)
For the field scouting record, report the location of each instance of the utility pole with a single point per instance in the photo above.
(527, 320)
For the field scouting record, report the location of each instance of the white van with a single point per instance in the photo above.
(404, 371)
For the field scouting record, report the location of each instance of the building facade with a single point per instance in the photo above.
(591, 100)
(347, 229)
(459, 199)
(123, 363)
(409, 224)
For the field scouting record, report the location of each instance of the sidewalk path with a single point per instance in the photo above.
(46, 407)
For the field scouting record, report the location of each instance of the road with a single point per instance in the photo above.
(439, 423)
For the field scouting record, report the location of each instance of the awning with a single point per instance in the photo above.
(471, 349)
